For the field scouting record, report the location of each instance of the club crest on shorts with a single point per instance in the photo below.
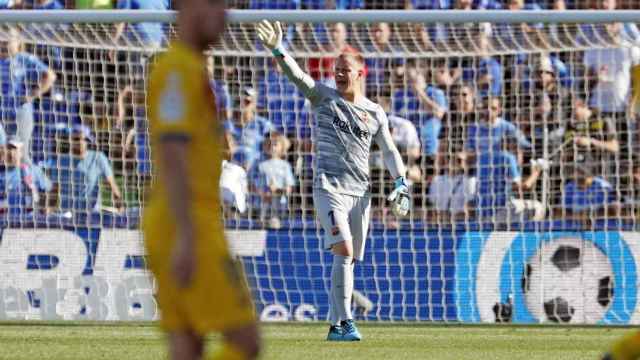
(335, 231)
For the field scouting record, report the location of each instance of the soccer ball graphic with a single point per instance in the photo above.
(569, 280)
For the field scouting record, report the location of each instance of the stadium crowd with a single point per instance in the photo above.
(489, 134)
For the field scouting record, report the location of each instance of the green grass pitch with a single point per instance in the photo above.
(82, 341)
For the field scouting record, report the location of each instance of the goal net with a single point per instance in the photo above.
(519, 139)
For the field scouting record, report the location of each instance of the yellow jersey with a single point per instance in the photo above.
(182, 105)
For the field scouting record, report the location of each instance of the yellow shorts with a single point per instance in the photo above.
(217, 299)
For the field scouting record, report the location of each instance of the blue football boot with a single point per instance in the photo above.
(335, 333)
(350, 331)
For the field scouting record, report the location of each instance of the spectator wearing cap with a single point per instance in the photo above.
(246, 131)
(22, 184)
(591, 140)
(548, 100)
(552, 77)
(78, 174)
(492, 133)
(24, 78)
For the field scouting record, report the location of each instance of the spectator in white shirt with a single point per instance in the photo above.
(451, 191)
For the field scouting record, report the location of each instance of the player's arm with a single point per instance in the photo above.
(419, 86)
(173, 132)
(393, 162)
(271, 37)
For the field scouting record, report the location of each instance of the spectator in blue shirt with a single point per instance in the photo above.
(246, 131)
(150, 33)
(21, 184)
(486, 73)
(78, 174)
(586, 193)
(433, 100)
(492, 132)
(273, 179)
(23, 78)
(3, 137)
(501, 188)
(220, 89)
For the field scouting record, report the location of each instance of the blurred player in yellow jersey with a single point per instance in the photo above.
(627, 348)
(200, 288)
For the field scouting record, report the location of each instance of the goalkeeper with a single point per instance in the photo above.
(345, 125)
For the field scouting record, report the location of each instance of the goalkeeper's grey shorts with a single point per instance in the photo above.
(343, 218)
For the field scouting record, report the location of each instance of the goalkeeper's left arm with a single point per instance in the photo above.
(393, 162)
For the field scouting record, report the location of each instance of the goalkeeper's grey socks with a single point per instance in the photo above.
(342, 285)
(334, 318)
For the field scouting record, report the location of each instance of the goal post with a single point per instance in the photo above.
(519, 130)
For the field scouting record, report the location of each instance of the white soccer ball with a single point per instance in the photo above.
(569, 280)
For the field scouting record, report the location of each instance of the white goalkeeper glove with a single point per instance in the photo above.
(541, 164)
(270, 34)
(399, 197)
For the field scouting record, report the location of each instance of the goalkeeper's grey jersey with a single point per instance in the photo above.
(342, 134)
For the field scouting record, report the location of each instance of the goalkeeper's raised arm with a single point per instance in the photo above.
(271, 37)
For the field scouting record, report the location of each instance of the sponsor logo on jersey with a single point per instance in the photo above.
(350, 128)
